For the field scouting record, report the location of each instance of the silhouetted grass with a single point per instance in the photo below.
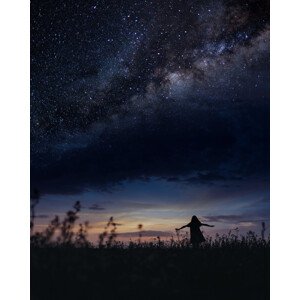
(69, 267)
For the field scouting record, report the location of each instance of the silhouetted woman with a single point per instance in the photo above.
(196, 234)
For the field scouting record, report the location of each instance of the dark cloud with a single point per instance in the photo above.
(138, 205)
(96, 207)
(212, 148)
(211, 177)
(42, 216)
(246, 217)
(146, 233)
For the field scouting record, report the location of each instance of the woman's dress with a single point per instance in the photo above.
(196, 234)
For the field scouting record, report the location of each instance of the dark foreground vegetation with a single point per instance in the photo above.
(69, 267)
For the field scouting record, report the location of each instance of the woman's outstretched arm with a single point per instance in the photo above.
(182, 227)
(203, 224)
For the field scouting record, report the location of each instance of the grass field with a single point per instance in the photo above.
(69, 267)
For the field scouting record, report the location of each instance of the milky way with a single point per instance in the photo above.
(133, 90)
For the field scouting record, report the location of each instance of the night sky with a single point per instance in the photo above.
(151, 112)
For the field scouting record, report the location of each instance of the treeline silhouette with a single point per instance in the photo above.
(65, 265)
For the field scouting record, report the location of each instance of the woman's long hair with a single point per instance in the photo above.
(195, 221)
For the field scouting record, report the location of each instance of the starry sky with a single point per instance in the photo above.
(151, 112)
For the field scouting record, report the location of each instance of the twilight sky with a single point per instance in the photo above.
(151, 112)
